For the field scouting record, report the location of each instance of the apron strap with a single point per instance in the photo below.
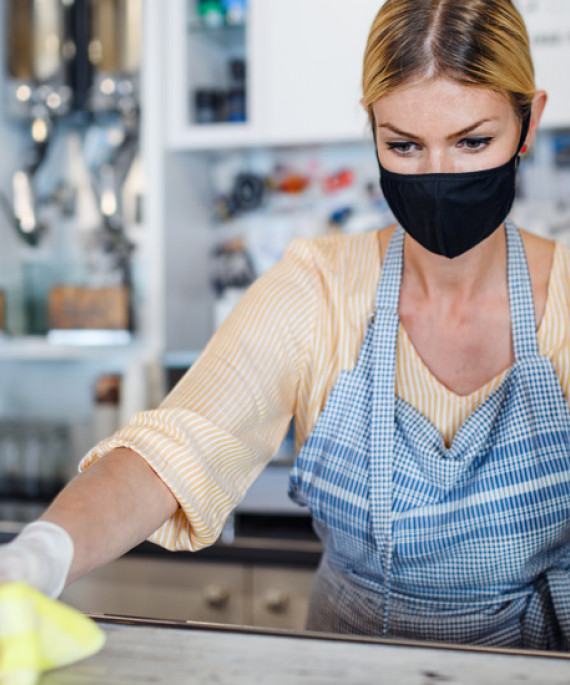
(388, 291)
(523, 319)
(384, 342)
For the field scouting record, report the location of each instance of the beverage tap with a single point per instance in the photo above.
(38, 93)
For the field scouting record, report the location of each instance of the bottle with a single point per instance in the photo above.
(236, 101)
(211, 13)
(235, 12)
(106, 417)
(205, 106)
(210, 106)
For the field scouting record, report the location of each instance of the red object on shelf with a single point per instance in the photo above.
(294, 183)
(342, 179)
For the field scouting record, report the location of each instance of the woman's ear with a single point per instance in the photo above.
(537, 108)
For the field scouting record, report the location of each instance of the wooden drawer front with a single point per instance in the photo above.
(163, 589)
(280, 597)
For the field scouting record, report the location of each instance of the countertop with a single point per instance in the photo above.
(168, 652)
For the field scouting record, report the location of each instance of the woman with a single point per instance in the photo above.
(433, 418)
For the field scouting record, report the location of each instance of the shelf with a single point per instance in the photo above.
(212, 137)
(226, 37)
(39, 348)
(181, 359)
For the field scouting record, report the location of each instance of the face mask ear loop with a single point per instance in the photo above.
(524, 132)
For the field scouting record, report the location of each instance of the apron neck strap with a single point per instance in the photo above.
(388, 291)
(523, 319)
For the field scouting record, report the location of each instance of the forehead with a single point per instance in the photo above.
(441, 104)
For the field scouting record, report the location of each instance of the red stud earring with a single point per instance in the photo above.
(524, 149)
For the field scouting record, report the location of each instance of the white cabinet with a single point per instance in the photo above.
(310, 68)
(548, 24)
(304, 66)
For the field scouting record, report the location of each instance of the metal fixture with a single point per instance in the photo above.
(79, 60)
(38, 92)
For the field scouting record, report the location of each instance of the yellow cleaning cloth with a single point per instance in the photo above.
(38, 634)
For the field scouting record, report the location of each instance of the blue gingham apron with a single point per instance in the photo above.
(466, 544)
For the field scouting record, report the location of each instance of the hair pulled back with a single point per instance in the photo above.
(477, 42)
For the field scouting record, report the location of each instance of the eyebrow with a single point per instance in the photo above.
(458, 134)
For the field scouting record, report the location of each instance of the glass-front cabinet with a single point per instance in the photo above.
(217, 61)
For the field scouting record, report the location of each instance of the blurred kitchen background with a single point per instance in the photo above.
(156, 157)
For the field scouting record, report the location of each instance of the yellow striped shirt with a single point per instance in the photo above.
(277, 356)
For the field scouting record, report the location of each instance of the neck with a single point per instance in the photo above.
(479, 271)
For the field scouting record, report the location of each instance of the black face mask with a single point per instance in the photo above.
(449, 214)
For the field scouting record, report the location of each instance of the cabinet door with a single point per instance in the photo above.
(157, 588)
(280, 597)
(548, 24)
(307, 61)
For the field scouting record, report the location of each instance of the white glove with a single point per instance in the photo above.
(40, 556)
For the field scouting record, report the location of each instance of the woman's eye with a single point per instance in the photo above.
(475, 144)
(403, 147)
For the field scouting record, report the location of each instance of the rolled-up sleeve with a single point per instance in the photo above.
(214, 433)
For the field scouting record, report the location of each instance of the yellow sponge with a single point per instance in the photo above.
(38, 634)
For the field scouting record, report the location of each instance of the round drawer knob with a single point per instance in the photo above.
(216, 596)
(276, 601)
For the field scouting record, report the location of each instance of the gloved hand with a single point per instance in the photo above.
(40, 555)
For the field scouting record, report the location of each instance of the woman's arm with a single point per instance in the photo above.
(218, 428)
(96, 518)
(110, 508)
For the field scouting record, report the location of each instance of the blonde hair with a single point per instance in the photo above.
(477, 42)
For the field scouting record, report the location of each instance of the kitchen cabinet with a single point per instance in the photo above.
(218, 592)
(304, 65)
(279, 597)
(310, 67)
(163, 589)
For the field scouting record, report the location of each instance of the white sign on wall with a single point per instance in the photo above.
(548, 24)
